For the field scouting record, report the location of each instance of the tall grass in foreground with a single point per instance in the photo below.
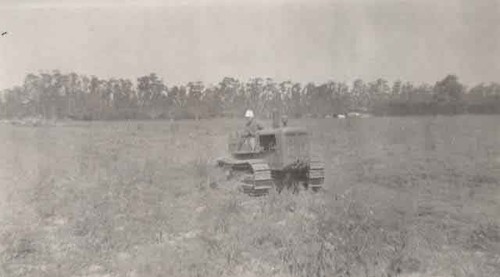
(137, 201)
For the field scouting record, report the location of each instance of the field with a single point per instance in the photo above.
(413, 196)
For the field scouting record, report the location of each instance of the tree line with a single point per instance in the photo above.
(80, 97)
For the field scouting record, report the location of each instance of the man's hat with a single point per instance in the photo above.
(249, 113)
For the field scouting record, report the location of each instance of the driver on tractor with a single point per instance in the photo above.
(250, 133)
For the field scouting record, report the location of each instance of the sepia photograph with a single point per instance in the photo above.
(249, 138)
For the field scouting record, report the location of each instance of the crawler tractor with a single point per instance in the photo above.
(280, 159)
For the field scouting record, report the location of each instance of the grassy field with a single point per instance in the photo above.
(403, 197)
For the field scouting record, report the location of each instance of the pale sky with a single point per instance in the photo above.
(314, 40)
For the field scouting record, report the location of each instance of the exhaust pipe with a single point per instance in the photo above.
(276, 119)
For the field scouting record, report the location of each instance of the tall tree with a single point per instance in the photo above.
(232, 98)
(195, 98)
(150, 91)
(448, 93)
(253, 91)
(359, 95)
